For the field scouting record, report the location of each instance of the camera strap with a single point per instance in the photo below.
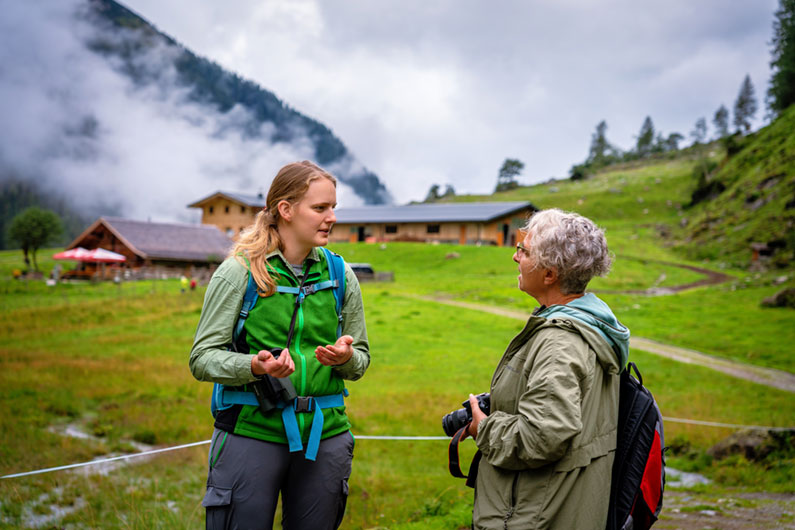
(454, 462)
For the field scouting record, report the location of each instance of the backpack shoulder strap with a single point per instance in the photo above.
(249, 301)
(336, 269)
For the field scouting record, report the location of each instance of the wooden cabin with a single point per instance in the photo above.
(493, 223)
(463, 223)
(158, 249)
(230, 212)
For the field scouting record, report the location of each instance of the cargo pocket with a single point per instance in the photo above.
(343, 501)
(218, 502)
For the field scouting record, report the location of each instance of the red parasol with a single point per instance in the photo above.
(96, 255)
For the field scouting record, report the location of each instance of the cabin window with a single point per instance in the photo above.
(226, 209)
(391, 229)
(210, 209)
(433, 229)
(242, 209)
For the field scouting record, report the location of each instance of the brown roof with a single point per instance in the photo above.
(166, 241)
(254, 201)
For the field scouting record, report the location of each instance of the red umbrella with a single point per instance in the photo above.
(97, 255)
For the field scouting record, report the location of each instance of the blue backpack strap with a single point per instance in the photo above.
(336, 270)
(314, 404)
(218, 401)
(249, 301)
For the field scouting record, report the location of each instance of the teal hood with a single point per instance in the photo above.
(592, 311)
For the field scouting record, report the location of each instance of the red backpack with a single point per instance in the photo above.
(636, 491)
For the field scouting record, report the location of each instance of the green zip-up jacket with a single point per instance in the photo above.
(266, 327)
(549, 442)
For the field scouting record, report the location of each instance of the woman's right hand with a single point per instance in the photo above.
(265, 363)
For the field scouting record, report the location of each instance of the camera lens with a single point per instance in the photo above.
(452, 422)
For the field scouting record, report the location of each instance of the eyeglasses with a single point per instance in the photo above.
(521, 248)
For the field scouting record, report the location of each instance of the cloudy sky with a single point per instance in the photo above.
(444, 91)
(426, 92)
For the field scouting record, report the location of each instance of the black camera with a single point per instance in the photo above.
(452, 422)
(270, 390)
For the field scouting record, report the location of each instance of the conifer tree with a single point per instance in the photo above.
(600, 147)
(645, 138)
(781, 92)
(699, 132)
(433, 193)
(721, 122)
(745, 106)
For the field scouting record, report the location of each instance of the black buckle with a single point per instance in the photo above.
(304, 404)
(309, 289)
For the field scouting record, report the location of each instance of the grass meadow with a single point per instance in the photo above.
(111, 362)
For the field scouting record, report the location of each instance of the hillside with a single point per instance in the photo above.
(652, 200)
(128, 37)
(757, 204)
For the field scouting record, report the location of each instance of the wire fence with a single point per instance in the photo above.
(358, 437)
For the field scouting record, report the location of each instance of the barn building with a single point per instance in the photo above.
(463, 223)
(158, 249)
(495, 223)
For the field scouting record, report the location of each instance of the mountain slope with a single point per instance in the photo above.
(757, 204)
(128, 37)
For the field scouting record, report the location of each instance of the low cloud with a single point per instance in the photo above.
(80, 127)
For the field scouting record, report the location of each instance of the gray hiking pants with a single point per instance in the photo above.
(247, 475)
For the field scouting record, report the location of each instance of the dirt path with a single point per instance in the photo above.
(764, 376)
(710, 278)
(697, 511)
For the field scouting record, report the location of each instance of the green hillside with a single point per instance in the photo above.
(758, 201)
(645, 207)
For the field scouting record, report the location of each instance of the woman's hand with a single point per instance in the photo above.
(339, 353)
(265, 363)
(477, 416)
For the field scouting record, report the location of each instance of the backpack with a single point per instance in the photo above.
(638, 482)
(336, 282)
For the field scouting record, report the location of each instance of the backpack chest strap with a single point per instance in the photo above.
(289, 410)
(306, 290)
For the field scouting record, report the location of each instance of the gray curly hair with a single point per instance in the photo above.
(571, 244)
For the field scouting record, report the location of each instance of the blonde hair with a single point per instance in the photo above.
(261, 238)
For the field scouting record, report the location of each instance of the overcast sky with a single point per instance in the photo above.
(443, 91)
(421, 92)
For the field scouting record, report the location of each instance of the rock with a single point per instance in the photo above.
(682, 479)
(452, 255)
(783, 298)
(754, 444)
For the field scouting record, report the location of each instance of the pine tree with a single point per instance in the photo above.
(600, 147)
(645, 138)
(745, 106)
(672, 142)
(433, 194)
(781, 92)
(721, 122)
(699, 132)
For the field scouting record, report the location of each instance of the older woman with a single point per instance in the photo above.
(547, 446)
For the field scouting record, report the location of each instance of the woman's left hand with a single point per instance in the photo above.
(339, 353)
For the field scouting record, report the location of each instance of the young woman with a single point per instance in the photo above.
(265, 442)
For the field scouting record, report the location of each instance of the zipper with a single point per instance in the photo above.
(513, 501)
(297, 343)
(507, 516)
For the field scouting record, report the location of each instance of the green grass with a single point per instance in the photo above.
(114, 362)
